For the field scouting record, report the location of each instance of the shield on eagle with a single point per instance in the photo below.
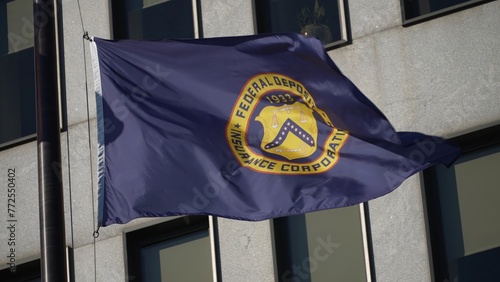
(290, 131)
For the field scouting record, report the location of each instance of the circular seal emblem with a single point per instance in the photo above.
(275, 127)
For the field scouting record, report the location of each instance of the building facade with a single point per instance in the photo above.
(430, 67)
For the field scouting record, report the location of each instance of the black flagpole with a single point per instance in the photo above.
(52, 229)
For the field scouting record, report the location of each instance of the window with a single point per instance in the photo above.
(17, 79)
(328, 245)
(415, 11)
(26, 272)
(463, 211)
(156, 19)
(176, 250)
(323, 19)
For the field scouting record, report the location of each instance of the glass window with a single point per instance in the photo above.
(177, 250)
(415, 11)
(328, 245)
(155, 19)
(463, 211)
(17, 79)
(325, 20)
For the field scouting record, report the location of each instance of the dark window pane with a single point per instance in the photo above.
(419, 10)
(175, 250)
(186, 258)
(153, 19)
(322, 19)
(17, 95)
(17, 79)
(463, 212)
(321, 246)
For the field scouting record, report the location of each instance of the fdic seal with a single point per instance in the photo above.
(274, 128)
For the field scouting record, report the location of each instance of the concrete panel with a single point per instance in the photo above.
(96, 20)
(246, 250)
(108, 265)
(227, 17)
(399, 235)
(444, 70)
(454, 65)
(20, 231)
(79, 195)
(368, 17)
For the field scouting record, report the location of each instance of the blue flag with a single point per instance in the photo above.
(248, 128)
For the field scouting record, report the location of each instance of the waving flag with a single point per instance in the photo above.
(248, 128)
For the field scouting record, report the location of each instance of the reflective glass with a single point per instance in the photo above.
(17, 79)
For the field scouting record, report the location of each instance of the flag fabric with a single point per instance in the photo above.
(248, 128)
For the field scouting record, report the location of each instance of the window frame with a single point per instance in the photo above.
(471, 143)
(61, 85)
(439, 13)
(137, 239)
(283, 261)
(346, 38)
(117, 13)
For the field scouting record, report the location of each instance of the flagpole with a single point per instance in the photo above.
(52, 229)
